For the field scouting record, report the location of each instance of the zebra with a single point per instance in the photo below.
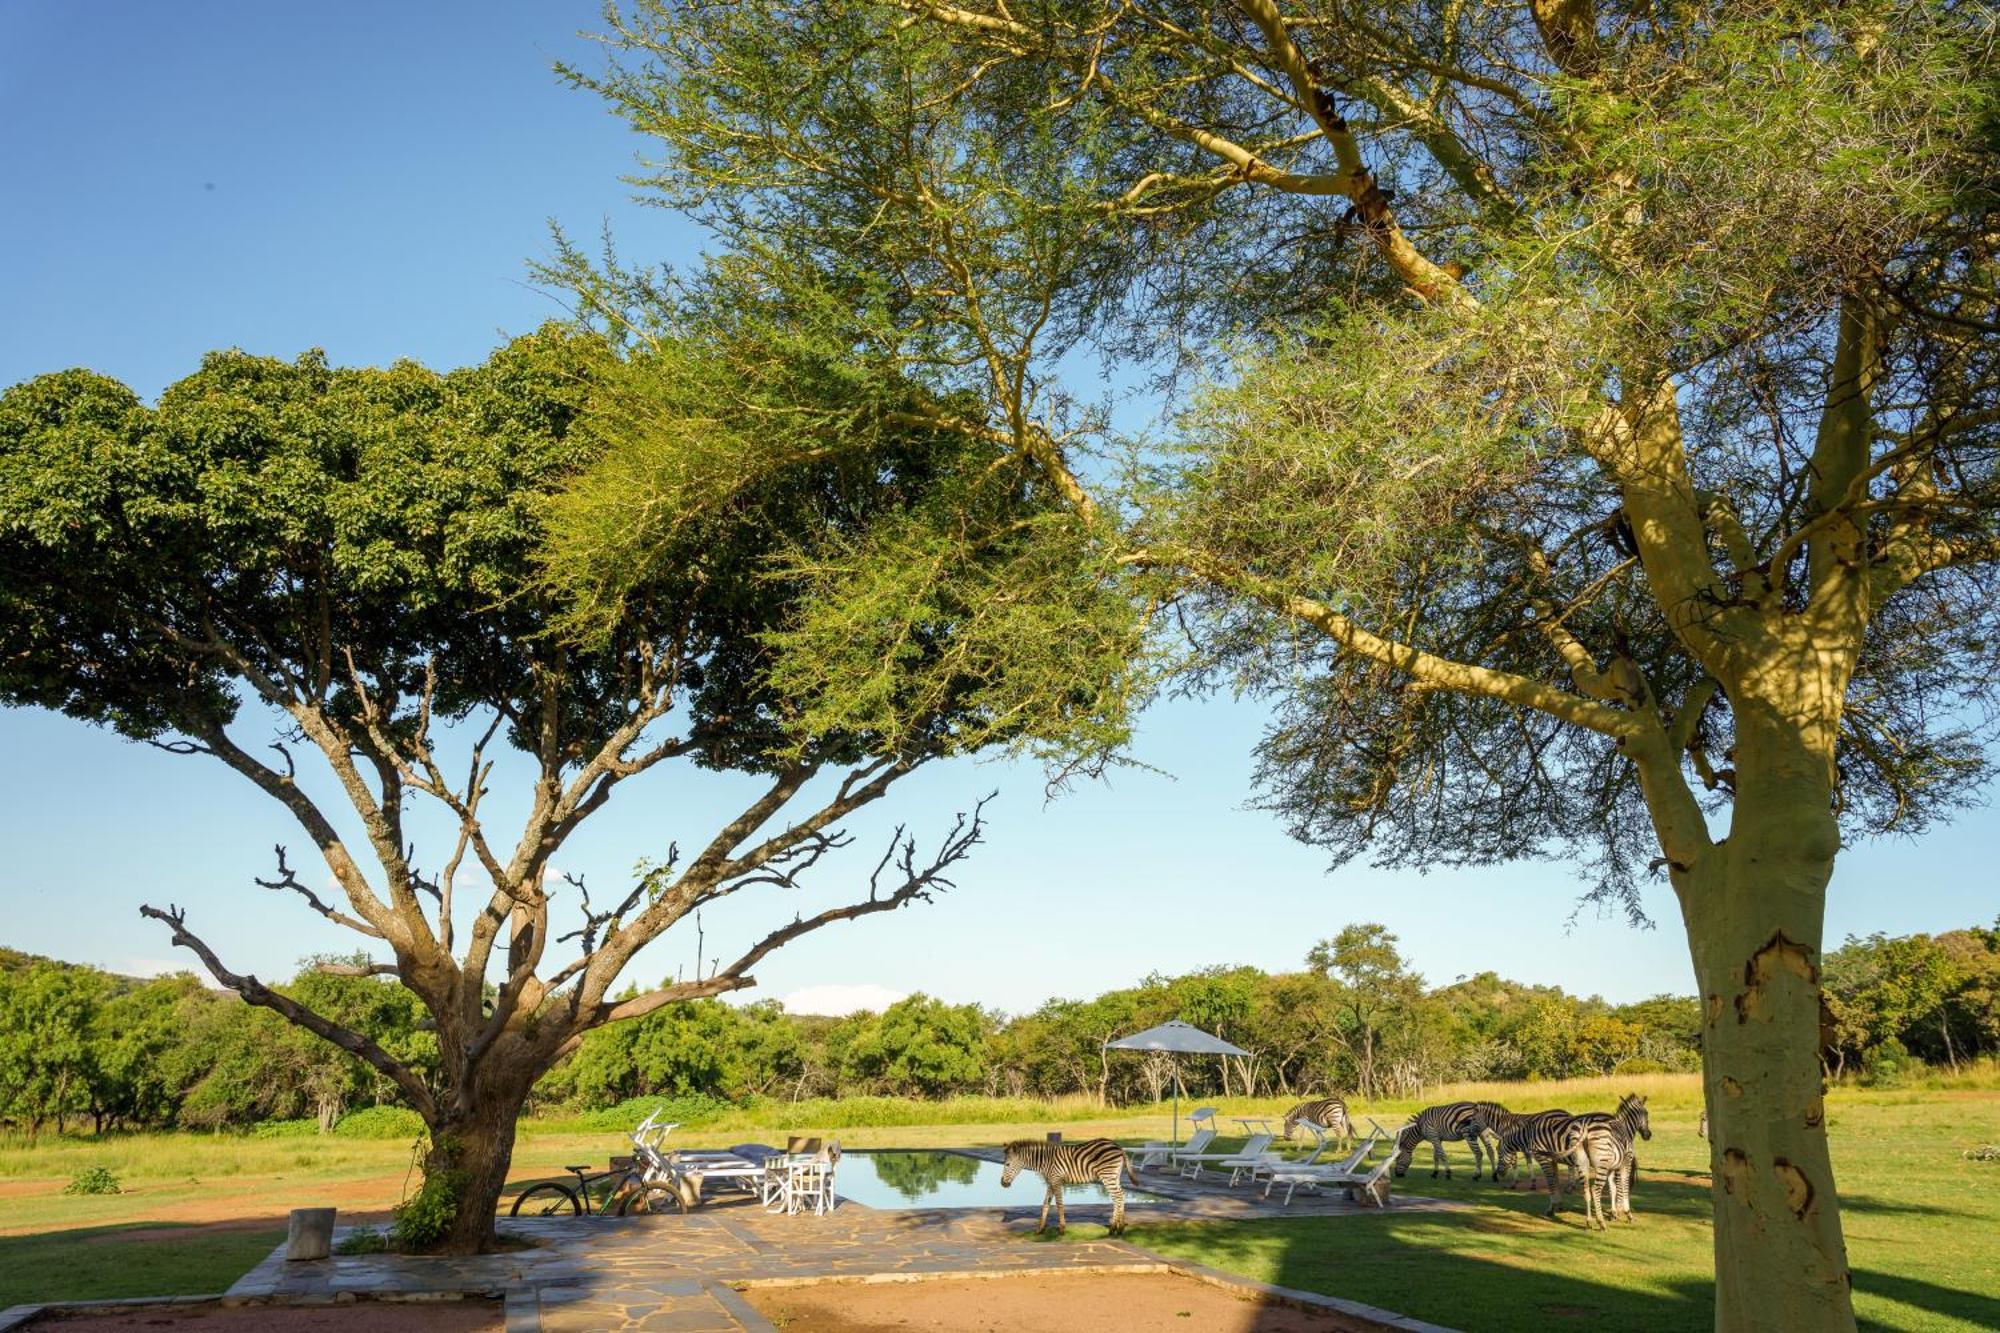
(1537, 1136)
(1488, 1116)
(1545, 1138)
(1453, 1120)
(1078, 1163)
(1601, 1158)
(1329, 1113)
(1499, 1126)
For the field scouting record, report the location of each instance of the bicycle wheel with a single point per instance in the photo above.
(655, 1200)
(547, 1199)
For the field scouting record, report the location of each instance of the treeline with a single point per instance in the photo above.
(81, 1047)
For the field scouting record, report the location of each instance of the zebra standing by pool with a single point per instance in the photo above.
(1453, 1120)
(1078, 1163)
(1329, 1113)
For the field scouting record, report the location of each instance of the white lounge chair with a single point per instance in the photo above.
(1166, 1154)
(1310, 1161)
(1155, 1153)
(1250, 1153)
(1313, 1175)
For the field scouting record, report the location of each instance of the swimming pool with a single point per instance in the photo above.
(948, 1180)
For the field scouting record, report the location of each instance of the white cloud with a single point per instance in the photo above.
(839, 999)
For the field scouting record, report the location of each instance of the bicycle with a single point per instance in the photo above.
(645, 1184)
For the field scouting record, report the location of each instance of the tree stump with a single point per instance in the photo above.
(310, 1235)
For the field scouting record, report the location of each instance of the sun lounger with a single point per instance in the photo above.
(1166, 1154)
(1343, 1173)
(1154, 1153)
(1251, 1152)
(1312, 1161)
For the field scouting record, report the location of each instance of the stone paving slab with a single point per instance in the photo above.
(655, 1274)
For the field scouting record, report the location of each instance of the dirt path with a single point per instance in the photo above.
(1129, 1302)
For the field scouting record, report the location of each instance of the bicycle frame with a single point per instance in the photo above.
(656, 1169)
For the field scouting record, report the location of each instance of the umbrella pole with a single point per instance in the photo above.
(1177, 1102)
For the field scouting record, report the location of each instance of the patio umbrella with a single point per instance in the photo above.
(1178, 1038)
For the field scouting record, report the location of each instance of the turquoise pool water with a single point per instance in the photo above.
(948, 1180)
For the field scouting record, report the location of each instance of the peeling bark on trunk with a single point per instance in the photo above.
(1754, 913)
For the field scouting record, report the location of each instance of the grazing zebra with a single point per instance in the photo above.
(1329, 1113)
(1453, 1120)
(1078, 1163)
(1600, 1157)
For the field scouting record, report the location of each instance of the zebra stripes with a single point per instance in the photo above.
(1549, 1138)
(1538, 1136)
(1078, 1163)
(1329, 1113)
(1601, 1158)
(1453, 1120)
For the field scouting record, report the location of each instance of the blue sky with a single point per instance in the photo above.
(372, 179)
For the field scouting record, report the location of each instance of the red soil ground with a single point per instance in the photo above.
(1129, 1302)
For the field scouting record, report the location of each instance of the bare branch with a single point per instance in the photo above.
(359, 969)
(288, 879)
(257, 993)
(918, 883)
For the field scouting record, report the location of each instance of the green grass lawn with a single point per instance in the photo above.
(104, 1263)
(1923, 1223)
(1922, 1226)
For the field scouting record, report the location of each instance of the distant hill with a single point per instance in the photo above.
(14, 960)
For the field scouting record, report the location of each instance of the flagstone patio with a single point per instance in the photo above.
(681, 1273)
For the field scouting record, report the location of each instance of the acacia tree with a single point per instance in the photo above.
(1591, 444)
(369, 560)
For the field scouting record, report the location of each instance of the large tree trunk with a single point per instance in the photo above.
(475, 1151)
(1754, 913)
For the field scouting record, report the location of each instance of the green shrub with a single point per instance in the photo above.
(1638, 1065)
(285, 1129)
(424, 1217)
(1888, 1065)
(693, 1110)
(380, 1122)
(97, 1180)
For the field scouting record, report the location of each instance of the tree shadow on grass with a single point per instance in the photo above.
(1502, 1265)
(123, 1259)
(1977, 1309)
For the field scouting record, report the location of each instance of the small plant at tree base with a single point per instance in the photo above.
(363, 1240)
(97, 1180)
(425, 1218)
